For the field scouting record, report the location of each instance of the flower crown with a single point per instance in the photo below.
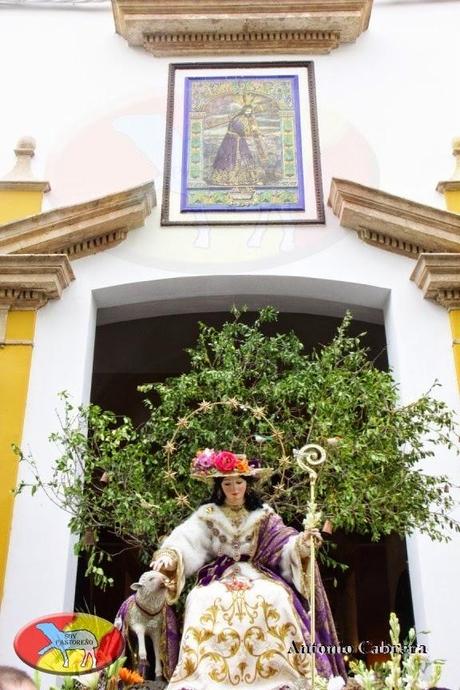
(209, 463)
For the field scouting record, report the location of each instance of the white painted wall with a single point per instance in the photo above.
(388, 108)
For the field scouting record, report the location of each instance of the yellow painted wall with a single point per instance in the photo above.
(15, 363)
(454, 317)
(15, 204)
(14, 380)
(453, 201)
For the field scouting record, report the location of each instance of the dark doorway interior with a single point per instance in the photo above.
(130, 353)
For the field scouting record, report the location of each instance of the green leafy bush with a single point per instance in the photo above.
(378, 477)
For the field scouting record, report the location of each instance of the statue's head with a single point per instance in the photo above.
(234, 489)
(243, 486)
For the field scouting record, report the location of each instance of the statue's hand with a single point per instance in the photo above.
(164, 561)
(304, 540)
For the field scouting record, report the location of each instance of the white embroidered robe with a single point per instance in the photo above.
(237, 630)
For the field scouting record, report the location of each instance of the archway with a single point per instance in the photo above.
(131, 350)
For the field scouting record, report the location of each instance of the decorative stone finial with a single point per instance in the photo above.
(21, 177)
(26, 145)
(22, 171)
(456, 153)
(451, 188)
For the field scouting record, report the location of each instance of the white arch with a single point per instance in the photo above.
(190, 294)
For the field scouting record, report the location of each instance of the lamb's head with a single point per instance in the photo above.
(151, 586)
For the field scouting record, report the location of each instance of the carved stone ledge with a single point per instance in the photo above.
(438, 276)
(30, 280)
(235, 43)
(219, 27)
(82, 229)
(24, 186)
(393, 223)
(448, 186)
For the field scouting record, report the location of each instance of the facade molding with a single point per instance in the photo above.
(448, 186)
(211, 27)
(429, 235)
(29, 281)
(25, 186)
(82, 229)
(438, 276)
(393, 223)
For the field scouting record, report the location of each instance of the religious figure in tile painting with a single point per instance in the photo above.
(235, 163)
(242, 144)
(250, 600)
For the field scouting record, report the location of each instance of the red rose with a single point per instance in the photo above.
(225, 461)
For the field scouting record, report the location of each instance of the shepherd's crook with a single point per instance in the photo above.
(309, 457)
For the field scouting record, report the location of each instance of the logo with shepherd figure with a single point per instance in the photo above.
(69, 643)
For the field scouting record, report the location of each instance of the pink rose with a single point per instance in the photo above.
(204, 459)
(225, 461)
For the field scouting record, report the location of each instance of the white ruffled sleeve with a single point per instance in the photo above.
(190, 544)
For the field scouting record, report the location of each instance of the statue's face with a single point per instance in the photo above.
(234, 489)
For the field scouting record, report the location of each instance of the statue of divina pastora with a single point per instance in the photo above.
(251, 598)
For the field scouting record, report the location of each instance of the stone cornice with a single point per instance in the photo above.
(438, 276)
(25, 186)
(448, 186)
(393, 223)
(28, 281)
(223, 27)
(82, 229)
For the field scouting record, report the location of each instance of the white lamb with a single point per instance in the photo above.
(142, 613)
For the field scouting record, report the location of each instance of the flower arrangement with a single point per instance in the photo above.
(114, 677)
(210, 463)
(128, 677)
(412, 671)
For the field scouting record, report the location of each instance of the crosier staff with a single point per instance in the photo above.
(309, 457)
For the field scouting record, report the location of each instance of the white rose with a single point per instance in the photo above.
(335, 683)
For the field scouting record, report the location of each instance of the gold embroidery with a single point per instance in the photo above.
(165, 551)
(264, 646)
(239, 608)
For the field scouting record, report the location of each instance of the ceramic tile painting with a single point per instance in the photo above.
(242, 144)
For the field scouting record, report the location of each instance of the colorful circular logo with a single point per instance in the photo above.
(69, 643)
